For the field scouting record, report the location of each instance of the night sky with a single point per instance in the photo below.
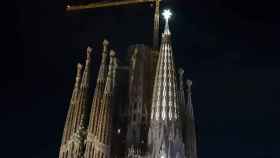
(230, 49)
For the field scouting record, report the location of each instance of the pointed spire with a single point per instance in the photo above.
(165, 120)
(79, 117)
(191, 149)
(100, 85)
(69, 121)
(164, 103)
(109, 80)
(189, 106)
(103, 133)
(83, 94)
(181, 75)
(181, 96)
(96, 102)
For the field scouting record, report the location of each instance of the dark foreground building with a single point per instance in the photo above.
(138, 110)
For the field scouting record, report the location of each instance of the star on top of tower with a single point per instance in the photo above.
(166, 14)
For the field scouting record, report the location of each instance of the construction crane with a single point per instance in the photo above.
(116, 3)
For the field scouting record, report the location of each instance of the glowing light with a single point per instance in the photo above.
(166, 14)
(119, 131)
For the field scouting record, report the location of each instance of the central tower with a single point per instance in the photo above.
(165, 132)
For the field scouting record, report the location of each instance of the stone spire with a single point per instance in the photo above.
(191, 150)
(182, 101)
(80, 116)
(84, 93)
(96, 103)
(165, 132)
(183, 110)
(102, 148)
(75, 130)
(69, 119)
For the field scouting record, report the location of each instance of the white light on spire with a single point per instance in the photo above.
(166, 14)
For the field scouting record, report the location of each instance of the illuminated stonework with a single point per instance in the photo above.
(128, 114)
(165, 134)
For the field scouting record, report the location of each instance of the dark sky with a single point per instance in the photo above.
(229, 48)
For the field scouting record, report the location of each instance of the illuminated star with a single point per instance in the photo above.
(166, 14)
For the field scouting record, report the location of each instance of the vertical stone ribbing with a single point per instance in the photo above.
(102, 147)
(73, 138)
(97, 97)
(83, 94)
(69, 119)
(165, 132)
(80, 117)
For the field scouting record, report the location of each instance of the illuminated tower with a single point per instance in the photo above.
(96, 103)
(75, 127)
(165, 132)
(65, 149)
(102, 143)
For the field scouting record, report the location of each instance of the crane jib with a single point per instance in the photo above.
(106, 4)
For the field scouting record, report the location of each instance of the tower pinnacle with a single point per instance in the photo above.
(68, 131)
(76, 120)
(191, 150)
(102, 142)
(189, 103)
(167, 15)
(189, 84)
(181, 73)
(156, 26)
(165, 127)
(96, 103)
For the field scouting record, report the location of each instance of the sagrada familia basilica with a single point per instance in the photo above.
(137, 110)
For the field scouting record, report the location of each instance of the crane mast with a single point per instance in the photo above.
(103, 4)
